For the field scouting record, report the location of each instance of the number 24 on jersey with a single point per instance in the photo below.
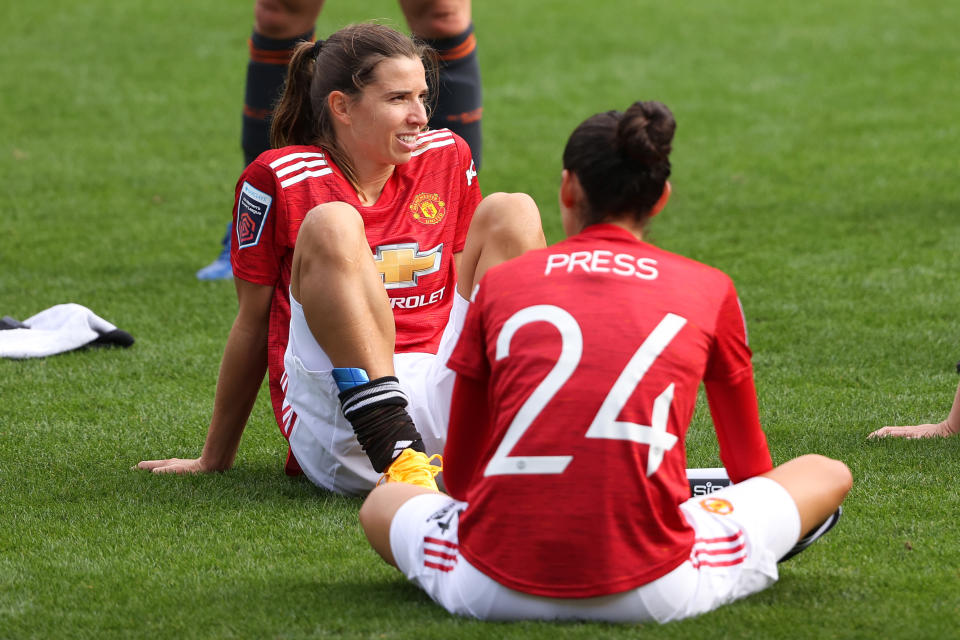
(604, 424)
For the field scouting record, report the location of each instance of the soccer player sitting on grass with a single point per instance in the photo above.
(577, 375)
(360, 238)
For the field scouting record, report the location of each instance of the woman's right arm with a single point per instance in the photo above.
(241, 374)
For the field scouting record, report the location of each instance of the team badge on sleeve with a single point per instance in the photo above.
(252, 209)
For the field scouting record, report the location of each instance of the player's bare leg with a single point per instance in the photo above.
(347, 309)
(378, 511)
(818, 486)
(504, 226)
(436, 18)
(335, 279)
(285, 18)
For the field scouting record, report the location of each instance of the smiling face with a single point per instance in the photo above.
(378, 128)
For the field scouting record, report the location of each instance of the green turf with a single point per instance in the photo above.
(815, 161)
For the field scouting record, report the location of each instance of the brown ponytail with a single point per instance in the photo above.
(293, 119)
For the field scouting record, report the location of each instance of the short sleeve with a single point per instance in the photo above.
(729, 360)
(470, 193)
(253, 247)
(469, 357)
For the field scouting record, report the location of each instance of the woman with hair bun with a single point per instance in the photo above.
(577, 376)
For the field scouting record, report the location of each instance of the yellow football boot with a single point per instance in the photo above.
(414, 467)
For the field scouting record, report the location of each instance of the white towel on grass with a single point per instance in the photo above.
(61, 328)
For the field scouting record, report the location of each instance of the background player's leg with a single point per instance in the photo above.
(278, 25)
(446, 26)
(504, 226)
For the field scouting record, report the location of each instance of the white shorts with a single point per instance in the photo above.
(322, 440)
(735, 555)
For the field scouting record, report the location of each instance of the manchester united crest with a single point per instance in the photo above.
(428, 208)
(717, 505)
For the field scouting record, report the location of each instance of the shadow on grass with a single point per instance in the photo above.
(388, 606)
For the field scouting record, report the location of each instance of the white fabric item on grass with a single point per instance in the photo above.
(60, 328)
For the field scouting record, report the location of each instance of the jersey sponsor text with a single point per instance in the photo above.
(414, 302)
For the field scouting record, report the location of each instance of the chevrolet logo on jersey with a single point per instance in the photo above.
(401, 265)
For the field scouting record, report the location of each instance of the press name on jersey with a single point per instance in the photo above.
(602, 261)
(412, 302)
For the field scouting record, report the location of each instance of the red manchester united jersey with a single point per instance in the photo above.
(591, 352)
(416, 226)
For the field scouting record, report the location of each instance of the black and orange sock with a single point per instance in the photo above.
(266, 73)
(460, 95)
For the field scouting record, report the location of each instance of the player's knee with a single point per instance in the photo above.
(503, 206)
(842, 476)
(331, 229)
(437, 19)
(511, 216)
(377, 511)
(368, 513)
(833, 473)
(285, 18)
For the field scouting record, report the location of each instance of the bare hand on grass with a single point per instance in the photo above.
(912, 432)
(173, 465)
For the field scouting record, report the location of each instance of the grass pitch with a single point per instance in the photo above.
(815, 161)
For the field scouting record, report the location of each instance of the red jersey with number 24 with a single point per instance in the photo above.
(591, 352)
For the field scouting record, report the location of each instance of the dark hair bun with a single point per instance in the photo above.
(645, 133)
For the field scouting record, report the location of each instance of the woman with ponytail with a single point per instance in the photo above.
(577, 375)
(359, 239)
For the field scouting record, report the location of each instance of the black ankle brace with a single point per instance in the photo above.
(376, 411)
